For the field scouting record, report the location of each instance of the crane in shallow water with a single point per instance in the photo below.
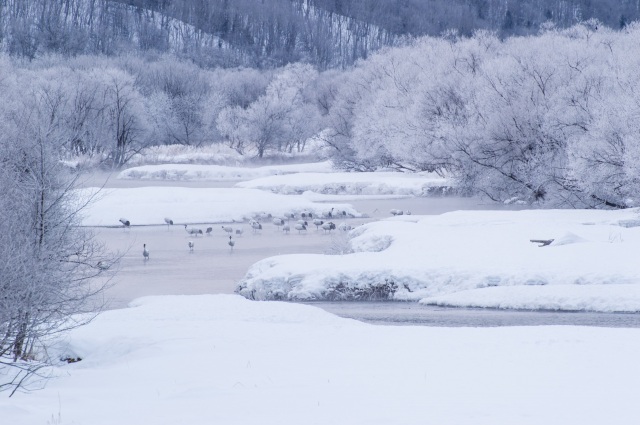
(193, 231)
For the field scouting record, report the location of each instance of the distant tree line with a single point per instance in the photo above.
(552, 119)
(505, 17)
(273, 33)
(216, 33)
(108, 109)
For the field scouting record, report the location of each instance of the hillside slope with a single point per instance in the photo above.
(271, 33)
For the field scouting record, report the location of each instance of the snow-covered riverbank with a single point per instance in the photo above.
(475, 259)
(201, 359)
(150, 205)
(197, 172)
(461, 258)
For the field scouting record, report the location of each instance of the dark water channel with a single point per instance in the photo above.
(413, 313)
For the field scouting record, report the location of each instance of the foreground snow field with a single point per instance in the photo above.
(223, 359)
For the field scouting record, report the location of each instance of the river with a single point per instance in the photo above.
(214, 269)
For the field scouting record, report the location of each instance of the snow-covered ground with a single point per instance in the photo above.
(150, 205)
(312, 178)
(202, 359)
(196, 172)
(473, 258)
(382, 183)
(223, 359)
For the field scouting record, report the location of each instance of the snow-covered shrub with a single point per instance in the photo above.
(344, 291)
(182, 154)
(340, 244)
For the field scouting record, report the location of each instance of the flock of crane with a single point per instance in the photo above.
(284, 224)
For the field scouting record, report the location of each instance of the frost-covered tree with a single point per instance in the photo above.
(231, 125)
(604, 156)
(51, 269)
(548, 119)
(292, 91)
(280, 120)
(401, 121)
(239, 86)
(339, 99)
(513, 147)
(125, 116)
(177, 92)
(231, 90)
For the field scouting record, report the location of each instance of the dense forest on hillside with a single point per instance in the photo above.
(261, 34)
(271, 33)
(506, 17)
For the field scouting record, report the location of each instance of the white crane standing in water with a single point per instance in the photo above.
(191, 245)
(193, 231)
(231, 242)
(300, 227)
(345, 227)
(255, 226)
(329, 214)
(278, 222)
(145, 252)
(328, 226)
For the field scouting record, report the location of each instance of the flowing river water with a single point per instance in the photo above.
(212, 268)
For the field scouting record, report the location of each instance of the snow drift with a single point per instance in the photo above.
(478, 258)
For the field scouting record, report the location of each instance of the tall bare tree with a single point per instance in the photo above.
(51, 270)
